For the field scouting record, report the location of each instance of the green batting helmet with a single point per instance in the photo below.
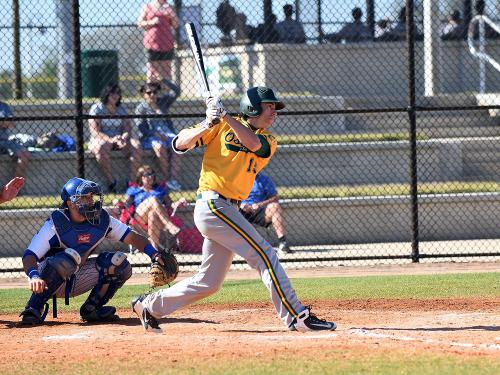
(250, 104)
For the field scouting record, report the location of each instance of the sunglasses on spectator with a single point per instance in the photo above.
(151, 92)
(149, 174)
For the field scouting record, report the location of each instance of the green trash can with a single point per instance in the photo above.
(99, 68)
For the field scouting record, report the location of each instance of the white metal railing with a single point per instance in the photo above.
(480, 53)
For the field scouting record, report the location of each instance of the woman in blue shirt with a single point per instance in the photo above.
(153, 205)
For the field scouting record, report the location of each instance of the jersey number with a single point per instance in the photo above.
(252, 166)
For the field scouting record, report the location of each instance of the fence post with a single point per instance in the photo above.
(16, 25)
(77, 84)
(410, 38)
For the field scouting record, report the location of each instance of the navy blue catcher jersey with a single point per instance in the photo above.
(59, 233)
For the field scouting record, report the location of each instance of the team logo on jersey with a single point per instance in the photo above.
(83, 238)
(233, 143)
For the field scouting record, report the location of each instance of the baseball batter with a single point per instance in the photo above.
(236, 150)
(56, 261)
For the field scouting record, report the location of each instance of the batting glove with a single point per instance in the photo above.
(215, 103)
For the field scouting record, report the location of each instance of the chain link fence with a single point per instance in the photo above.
(388, 146)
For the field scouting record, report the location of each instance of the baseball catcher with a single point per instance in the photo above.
(57, 259)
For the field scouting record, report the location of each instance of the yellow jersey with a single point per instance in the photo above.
(228, 167)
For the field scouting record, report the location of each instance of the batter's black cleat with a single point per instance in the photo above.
(102, 314)
(148, 321)
(283, 248)
(307, 322)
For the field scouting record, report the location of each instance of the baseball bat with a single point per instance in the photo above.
(194, 43)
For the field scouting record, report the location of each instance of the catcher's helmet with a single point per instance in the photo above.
(250, 104)
(86, 195)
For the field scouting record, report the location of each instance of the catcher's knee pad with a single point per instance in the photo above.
(66, 262)
(114, 269)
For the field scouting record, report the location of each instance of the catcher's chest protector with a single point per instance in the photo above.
(83, 237)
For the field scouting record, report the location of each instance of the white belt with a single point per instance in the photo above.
(210, 194)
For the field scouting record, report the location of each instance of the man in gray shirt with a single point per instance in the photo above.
(11, 147)
(355, 31)
(291, 31)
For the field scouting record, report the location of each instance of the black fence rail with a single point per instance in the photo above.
(388, 146)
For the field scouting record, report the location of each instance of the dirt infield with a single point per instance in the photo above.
(468, 327)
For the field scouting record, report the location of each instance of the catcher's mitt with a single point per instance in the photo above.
(162, 274)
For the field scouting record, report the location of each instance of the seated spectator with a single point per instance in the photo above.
(157, 133)
(262, 208)
(455, 28)
(382, 27)
(398, 32)
(245, 34)
(151, 207)
(355, 31)
(266, 32)
(18, 152)
(290, 30)
(107, 135)
(225, 20)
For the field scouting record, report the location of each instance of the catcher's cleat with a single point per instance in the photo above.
(148, 321)
(102, 314)
(31, 317)
(307, 321)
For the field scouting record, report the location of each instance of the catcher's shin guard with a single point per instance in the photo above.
(37, 307)
(114, 271)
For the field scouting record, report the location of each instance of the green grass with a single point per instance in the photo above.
(342, 138)
(336, 362)
(324, 288)
(298, 192)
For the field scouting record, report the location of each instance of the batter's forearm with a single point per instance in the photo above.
(245, 135)
(187, 138)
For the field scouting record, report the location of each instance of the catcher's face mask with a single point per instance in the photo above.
(88, 201)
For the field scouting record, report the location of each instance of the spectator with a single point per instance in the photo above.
(398, 32)
(244, 33)
(152, 205)
(355, 31)
(262, 208)
(158, 20)
(11, 147)
(225, 20)
(290, 30)
(157, 133)
(11, 189)
(382, 27)
(111, 134)
(455, 28)
(266, 32)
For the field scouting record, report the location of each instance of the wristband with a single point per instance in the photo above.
(150, 250)
(33, 273)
